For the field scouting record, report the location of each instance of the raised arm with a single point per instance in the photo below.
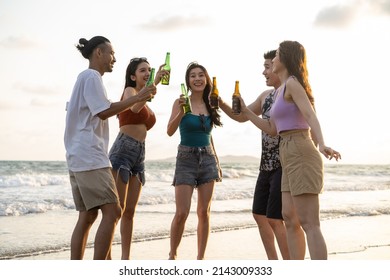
(297, 93)
(267, 126)
(129, 92)
(255, 107)
(176, 116)
(120, 106)
(160, 73)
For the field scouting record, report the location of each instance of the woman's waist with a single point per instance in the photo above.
(290, 123)
(135, 131)
(195, 139)
(288, 134)
(195, 149)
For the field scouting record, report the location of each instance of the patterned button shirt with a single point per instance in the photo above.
(270, 145)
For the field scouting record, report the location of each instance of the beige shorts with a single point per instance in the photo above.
(302, 165)
(93, 188)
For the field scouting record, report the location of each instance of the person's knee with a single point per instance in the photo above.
(181, 216)
(290, 220)
(203, 213)
(117, 213)
(128, 213)
(112, 212)
(287, 216)
(91, 216)
(261, 220)
(275, 223)
(309, 225)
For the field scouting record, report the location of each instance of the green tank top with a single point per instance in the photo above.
(195, 131)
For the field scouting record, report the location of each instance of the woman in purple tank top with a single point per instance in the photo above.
(293, 117)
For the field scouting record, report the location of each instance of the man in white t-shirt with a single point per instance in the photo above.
(86, 142)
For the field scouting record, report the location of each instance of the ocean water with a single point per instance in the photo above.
(37, 213)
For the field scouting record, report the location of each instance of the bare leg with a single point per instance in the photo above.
(267, 236)
(295, 235)
(205, 193)
(307, 209)
(280, 233)
(183, 194)
(80, 233)
(105, 232)
(122, 194)
(127, 220)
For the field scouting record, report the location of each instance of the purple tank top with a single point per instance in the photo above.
(286, 115)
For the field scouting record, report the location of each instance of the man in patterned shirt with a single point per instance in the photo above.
(267, 200)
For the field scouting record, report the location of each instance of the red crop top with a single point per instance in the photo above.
(145, 116)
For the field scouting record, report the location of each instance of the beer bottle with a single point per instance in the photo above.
(187, 105)
(167, 66)
(236, 105)
(151, 80)
(214, 102)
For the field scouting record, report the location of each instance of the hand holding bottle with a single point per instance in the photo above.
(151, 82)
(167, 67)
(160, 74)
(147, 93)
(236, 106)
(182, 100)
(214, 94)
(242, 105)
(187, 102)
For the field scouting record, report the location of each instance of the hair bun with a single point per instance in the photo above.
(83, 41)
(86, 47)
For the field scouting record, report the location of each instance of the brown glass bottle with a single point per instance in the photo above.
(236, 104)
(214, 95)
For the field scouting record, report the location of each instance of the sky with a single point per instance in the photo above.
(346, 42)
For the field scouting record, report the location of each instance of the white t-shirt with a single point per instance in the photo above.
(86, 135)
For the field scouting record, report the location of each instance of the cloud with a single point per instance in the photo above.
(175, 23)
(13, 42)
(336, 16)
(381, 7)
(343, 15)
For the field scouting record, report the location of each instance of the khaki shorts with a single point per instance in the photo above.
(302, 165)
(93, 188)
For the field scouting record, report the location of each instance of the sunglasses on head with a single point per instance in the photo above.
(194, 63)
(136, 59)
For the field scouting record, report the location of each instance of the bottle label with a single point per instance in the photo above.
(187, 108)
(165, 80)
(214, 102)
(236, 106)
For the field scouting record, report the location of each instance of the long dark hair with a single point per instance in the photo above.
(131, 68)
(293, 55)
(214, 115)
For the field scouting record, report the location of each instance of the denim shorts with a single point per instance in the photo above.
(127, 156)
(196, 166)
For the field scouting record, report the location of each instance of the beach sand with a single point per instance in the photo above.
(353, 238)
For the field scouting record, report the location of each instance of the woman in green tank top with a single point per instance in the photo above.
(197, 164)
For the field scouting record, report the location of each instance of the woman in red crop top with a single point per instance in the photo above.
(293, 117)
(127, 154)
